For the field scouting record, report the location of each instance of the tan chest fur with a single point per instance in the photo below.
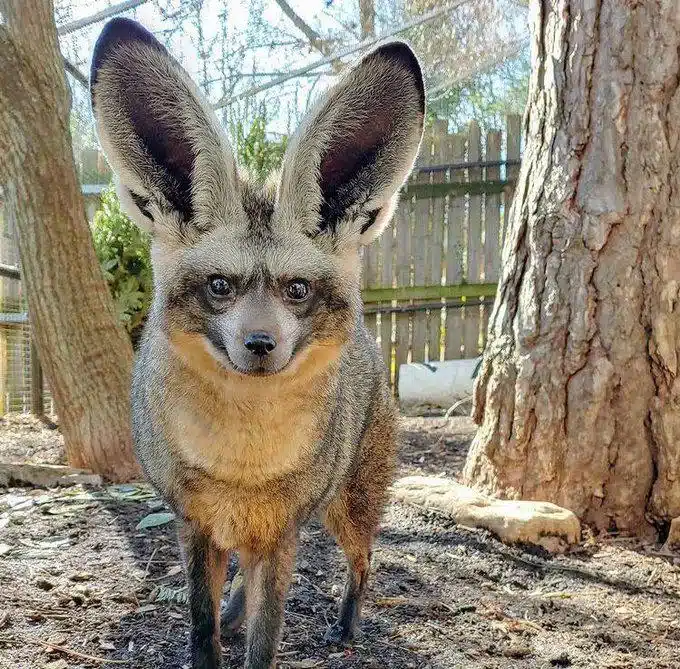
(243, 441)
(251, 521)
(247, 435)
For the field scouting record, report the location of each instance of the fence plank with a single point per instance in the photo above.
(436, 292)
(471, 315)
(387, 272)
(492, 211)
(474, 228)
(420, 241)
(455, 249)
(492, 227)
(436, 239)
(402, 270)
(371, 279)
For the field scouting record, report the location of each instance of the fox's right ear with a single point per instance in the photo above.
(174, 169)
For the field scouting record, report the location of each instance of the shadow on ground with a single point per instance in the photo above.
(78, 579)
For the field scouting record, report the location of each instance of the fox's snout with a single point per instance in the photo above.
(260, 343)
(256, 334)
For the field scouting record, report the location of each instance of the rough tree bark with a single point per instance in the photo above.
(578, 398)
(85, 354)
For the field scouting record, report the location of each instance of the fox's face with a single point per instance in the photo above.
(259, 275)
(258, 298)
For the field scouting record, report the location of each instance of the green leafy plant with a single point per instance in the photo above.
(255, 151)
(123, 252)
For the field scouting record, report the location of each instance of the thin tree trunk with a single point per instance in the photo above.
(577, 399)
(367, 18)
(86, 355)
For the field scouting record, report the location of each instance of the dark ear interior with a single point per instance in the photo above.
(172, 151)
(377, 121)
(116, 32)
(346, 166)
(136, 99)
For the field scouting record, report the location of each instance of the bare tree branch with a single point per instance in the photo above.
(99, 16)
(76, 73)
(420, 20)
(484, 63)
(314, 38)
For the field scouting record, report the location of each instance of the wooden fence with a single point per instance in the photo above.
(429, 282)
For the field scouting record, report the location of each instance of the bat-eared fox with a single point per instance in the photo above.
(258, 397)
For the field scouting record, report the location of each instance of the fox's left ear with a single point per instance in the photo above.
(344, 167)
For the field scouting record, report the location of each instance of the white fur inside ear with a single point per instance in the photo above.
(382, 220)
(129, 206)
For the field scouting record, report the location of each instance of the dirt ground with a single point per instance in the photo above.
(82, 586)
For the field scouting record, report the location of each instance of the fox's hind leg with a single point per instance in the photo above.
(234, 611)
(206, 568)
(353, 518)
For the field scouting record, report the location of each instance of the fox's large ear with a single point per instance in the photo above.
(174, 168)
(344, 167)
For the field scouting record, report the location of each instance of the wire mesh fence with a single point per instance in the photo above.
(19, 367)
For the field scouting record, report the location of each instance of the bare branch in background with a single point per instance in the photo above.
(425, 18)
(484, 63)
(76, 73)
(315, 40)
(99, 16)
(325, 47)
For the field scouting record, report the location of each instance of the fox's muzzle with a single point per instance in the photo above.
(258, 335)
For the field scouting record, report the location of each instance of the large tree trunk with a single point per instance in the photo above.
(577, 398)
(85, 354)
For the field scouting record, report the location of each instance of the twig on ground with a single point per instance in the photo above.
(75, 653)
(148, 564)
(316, 587)
(453, 408)
(63, 649)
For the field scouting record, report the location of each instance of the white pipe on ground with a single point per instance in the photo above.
(436, 384)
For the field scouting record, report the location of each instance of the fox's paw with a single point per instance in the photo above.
(337, 635)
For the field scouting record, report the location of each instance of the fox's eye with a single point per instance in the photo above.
(218, 286)
(297, 290)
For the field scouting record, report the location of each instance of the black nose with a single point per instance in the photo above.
(260, 343)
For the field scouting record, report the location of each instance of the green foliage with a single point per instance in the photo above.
(123, 252)
(487, 98)
(255, 151)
